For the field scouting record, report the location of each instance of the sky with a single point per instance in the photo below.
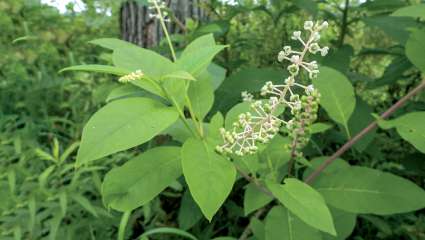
(79, 5)
(61, 4)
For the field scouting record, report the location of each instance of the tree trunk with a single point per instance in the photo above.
(138, 27)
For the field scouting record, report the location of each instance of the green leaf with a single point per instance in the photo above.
(281, 224)
(258, 228)
(206, 40)
(344, 224)
(150, 63)
(383, 6)
(394, 72)
(361, 118)
(217, 73)
(213, 131)
(395, 27)
(98, 68)
(254, 199)
(210, 176)
(339, 59)
(198, 61)
(179, 130)
(166, 230)
(416, 11)
(316, 162)
(180, 74)
(189, 212)
(320, 127)
(305, 203)
(363, 190)
(85, 203)
(247, 79)
(141, 179)
(411, 128)
(125, 91)
(415, 49)
(309, 5)
(111, 43)
(123, 124)
(337, 95)
(201, 95)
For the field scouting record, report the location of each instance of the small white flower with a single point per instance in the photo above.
(313, 74)
(324, 51)
(308, 25)
(290, 81)
(296, 35)
(309, 89)
(281, 56)
(295, 59)
(247, 97)
(314, 48)
(324, 25)
(287, 50)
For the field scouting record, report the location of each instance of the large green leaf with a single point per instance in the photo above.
(210, 176)
(383, 6)
(217, 73)
(344, 224)
(111, 43)
(189, 212)
(363, 190)
(411, 128)
(198, 54)
(415, 49)
(254, 198)
(150, 63)
(248, 79)
(123, 124)
(98, 68)
(416, 11)
(281, 224)
(337, 95)
(395, 27)
(361, 118)
(141, 179)
(305, 203)
(201, 95)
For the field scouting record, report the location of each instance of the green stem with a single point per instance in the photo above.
(164, 28)
(123, 225)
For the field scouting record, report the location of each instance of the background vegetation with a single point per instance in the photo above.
(42, 112)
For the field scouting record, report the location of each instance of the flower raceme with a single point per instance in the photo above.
(261, 124)
(138, 74)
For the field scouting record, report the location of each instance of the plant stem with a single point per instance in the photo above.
(164, 28)
(344, 23)
(253, 180)
(362, 133)
(247, 231)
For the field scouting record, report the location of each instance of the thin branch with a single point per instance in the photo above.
(253, 180)
(362, 133)
(344, 23)
(247, 231)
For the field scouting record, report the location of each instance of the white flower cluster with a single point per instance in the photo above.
(262, 123)
(259, 126)
(310, 45)
(138, 74)
(162, 6)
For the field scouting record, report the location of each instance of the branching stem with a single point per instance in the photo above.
(365, 131)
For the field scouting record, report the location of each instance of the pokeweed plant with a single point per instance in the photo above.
(262, 140)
